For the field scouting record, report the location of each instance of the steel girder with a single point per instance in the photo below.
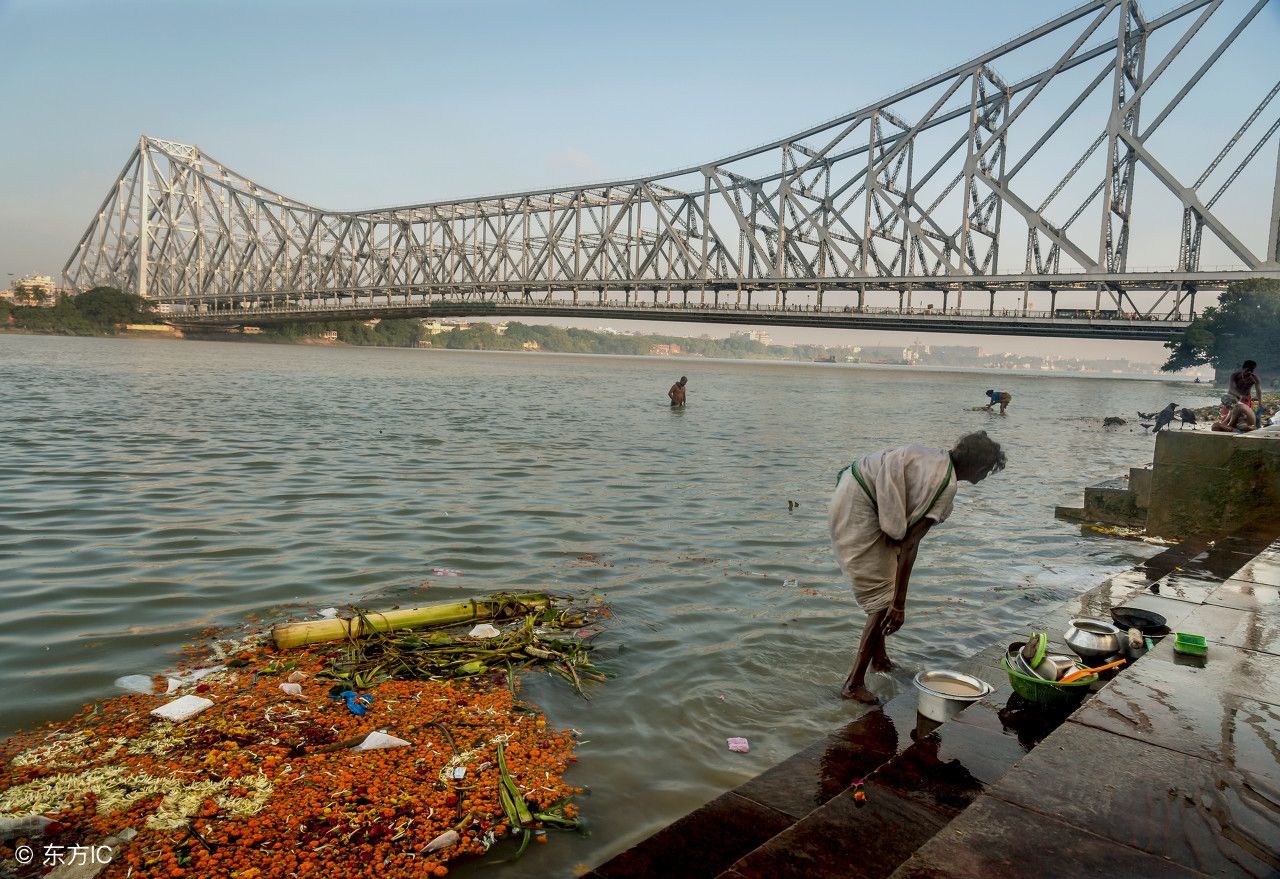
(915, 192)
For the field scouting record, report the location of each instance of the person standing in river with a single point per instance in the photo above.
(676, 393)
(1004, 398)
(884, 504)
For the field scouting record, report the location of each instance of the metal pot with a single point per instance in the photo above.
(1092, 638)
(943, 694)
(1055, 665)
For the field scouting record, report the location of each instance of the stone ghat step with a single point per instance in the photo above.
(923, 782)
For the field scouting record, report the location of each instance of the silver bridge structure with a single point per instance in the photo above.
(1001, 196)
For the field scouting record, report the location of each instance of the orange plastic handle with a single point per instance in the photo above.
(1085, 672)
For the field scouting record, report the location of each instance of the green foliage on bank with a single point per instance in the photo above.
(570, 340)
(1244, 325)
(91, 313)
(390, 333)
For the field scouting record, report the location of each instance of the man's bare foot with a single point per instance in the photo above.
(882, 662)
(860, 692)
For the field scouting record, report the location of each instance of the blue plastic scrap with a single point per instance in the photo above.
(358, 703)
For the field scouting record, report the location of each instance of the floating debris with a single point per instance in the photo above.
(1124, 533)
(261, 783)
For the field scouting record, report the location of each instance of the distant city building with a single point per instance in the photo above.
(435, 327)
(501, 329)
(665, 350)
(330, 335)
(530, 345)
(761, 336)
(34, 290)
(253, 331)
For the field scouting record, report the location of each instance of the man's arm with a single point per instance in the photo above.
(906, 560)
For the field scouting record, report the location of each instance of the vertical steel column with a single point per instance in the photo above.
(1273, 236)
(969, 162)
(1117, 196)
(143, 245)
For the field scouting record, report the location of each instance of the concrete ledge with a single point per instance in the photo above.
(1212, 483)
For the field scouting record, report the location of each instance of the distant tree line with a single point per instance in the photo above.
(388, 333)
(94, 312)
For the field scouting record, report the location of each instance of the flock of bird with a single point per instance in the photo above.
(1165, 417)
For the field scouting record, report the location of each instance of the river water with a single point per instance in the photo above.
(151, 488)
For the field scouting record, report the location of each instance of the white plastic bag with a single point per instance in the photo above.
(137, 684)
(444, 840)
(376, 741)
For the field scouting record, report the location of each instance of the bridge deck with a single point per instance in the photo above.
(1000, 322)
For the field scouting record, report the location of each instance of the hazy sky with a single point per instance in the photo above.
(353, 105)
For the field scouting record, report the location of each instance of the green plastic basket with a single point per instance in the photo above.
(1044, 693)
(1192, 645)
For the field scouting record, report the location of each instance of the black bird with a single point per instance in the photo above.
(1147, 414)
(1187, 416)
(1165, 418)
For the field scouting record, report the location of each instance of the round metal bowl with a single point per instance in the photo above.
(942, 694)
(1055, 665)
(1093, 638)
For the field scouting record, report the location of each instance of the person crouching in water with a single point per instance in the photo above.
(883, 506)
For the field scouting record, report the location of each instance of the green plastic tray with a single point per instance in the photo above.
(1044, 693)
(1192, 645)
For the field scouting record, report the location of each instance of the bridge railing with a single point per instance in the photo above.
(339, 305)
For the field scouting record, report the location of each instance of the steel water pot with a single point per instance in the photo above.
(1093, 638)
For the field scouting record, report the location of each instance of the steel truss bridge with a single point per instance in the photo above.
(1000, 196)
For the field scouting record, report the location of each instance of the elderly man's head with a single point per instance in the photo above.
(976, 456)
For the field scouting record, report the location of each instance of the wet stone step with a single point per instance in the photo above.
(993, 838)
(700, 845)
(827, 768)
(1163, 802)
(844, 840)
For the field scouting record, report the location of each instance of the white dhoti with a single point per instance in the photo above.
(909, 484)
(861, 548)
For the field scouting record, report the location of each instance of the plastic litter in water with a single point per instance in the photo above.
(178, 680)
(444, 840)
(446, 572)
(376, 741)
(484, 630)
(791, 582)
(136, 684)
(739, 745)
(357, 703)
(182, 708)
(329, 613)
